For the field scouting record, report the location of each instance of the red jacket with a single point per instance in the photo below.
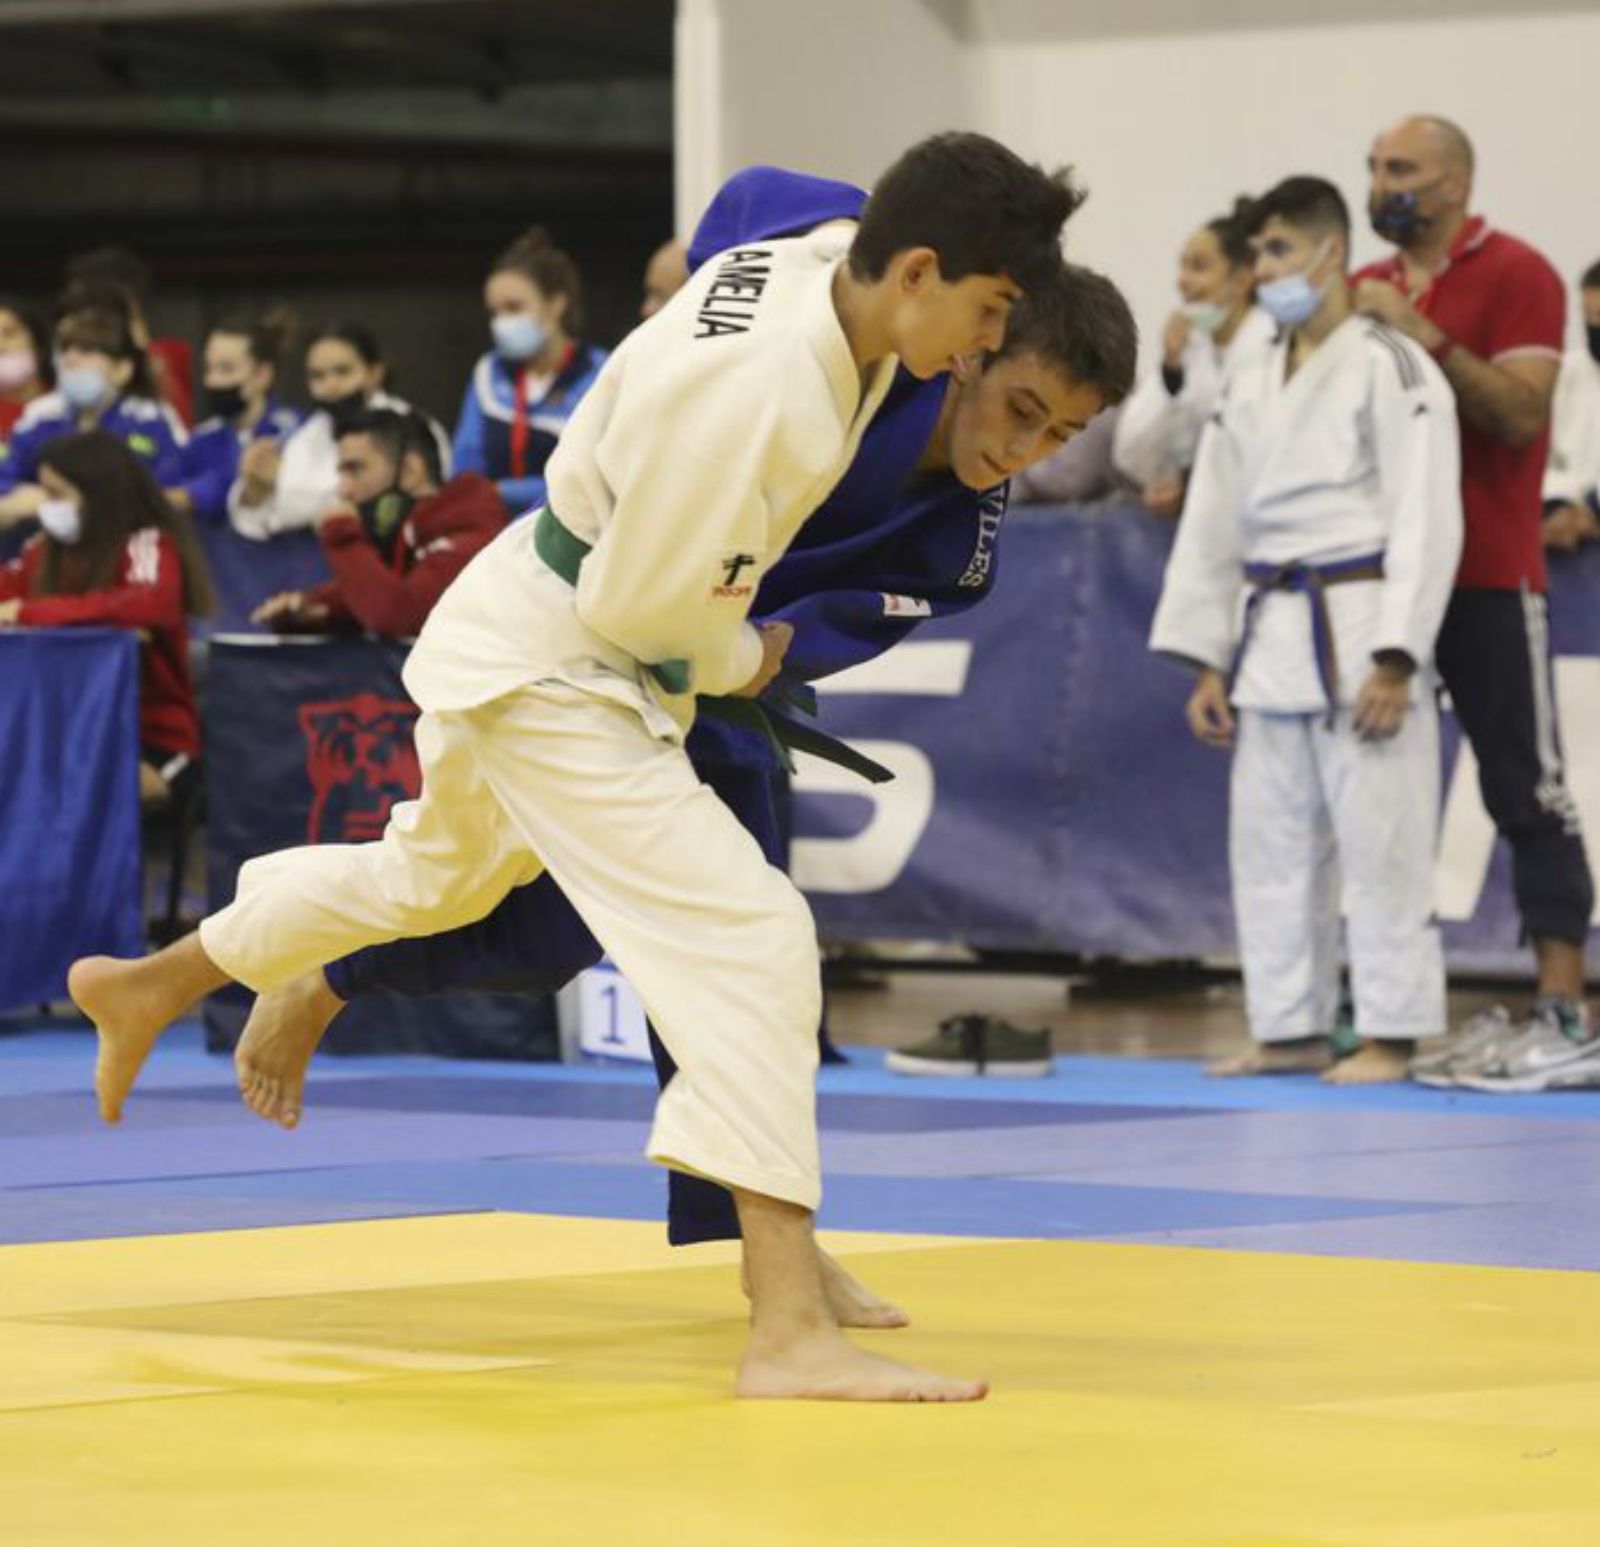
(392, 593)
(147, 594)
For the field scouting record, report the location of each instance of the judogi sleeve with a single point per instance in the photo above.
(1418, 450)
(1574, 467)
(1146, 429)
(1197, 617)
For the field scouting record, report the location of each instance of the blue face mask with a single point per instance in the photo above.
(518, 336)
(83, 386)
(1398, 217)
(1293, 299)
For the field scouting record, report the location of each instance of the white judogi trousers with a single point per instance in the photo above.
(1321, 824)
(718, 944)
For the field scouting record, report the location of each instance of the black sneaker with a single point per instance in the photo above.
(977, 1044)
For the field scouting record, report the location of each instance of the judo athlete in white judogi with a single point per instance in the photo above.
(1309, 577)
(557, 678)
(1572, 478)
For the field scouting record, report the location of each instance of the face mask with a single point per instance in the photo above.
(1593, 330)
(1398, 218)
(1293, 300)
(226, 402)
(83, 386)
(17, 368)
(382, 514)
(62, 520)
(518, 336)
(344, 411)
(1207, 316)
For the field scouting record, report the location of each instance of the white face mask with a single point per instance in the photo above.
(62, 520)
(1206, 316)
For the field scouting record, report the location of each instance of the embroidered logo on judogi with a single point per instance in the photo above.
(732, 568)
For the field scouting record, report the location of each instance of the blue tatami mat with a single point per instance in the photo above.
(1108, 1149)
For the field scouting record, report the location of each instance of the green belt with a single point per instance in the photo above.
(565, 553)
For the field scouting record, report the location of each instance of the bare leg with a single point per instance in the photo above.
(796, 1349)
(1560, 969)
(850, 1301)
(131, 1003)
(1376, 1063)
(1309, 1056)
(283, 1031)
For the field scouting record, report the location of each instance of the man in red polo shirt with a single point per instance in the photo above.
(1492, 312)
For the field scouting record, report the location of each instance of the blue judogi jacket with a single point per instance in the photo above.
(483, 432)
(244, 570)
(148, 428)
(211, 459)
(890, 547)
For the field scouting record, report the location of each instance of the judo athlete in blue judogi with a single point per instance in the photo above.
(909, 533)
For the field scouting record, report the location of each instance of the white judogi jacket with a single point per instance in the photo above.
(1157, 434)
(1573, 473)
(1357, 453)
(712, 432)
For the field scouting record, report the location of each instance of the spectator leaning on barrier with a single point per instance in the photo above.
(1572, 481)
(397, 538)
(1216, 325)
(288, 486)
(665, 275)
(114, 553)
(1309, 576)
(25, 372)
(524, 390)
(102, 382)
(1491, 312)
(171, 359)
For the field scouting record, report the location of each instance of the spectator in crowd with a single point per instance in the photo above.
(1491, 312)
(665, 275)
(102, 382)
(396, 539)
(1326, 498)
(1572, 482)
(1216, 325)
(171, 359)
(243, 356)
(114, 553)
(288, 486)
(524, 390)
(25, 372)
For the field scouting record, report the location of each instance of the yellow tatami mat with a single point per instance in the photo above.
(517, 1379)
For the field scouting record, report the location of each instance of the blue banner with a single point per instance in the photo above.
(1050, 796)
(69, 806)
(311, 742)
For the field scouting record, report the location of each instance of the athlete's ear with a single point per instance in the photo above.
(917, 268)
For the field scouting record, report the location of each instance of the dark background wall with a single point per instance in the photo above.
(354, 160)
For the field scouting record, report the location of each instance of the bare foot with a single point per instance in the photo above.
(279, 1038)
(131, 1003)
(1265, 1058)
(850, 1301)
(820, 1365)
(1376, 1063)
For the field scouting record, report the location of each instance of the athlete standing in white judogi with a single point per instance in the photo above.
(558, 675)
(1311, 570)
